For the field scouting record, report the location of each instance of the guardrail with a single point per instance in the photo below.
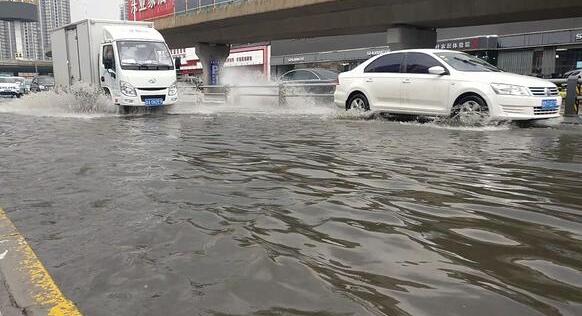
(281, 91)
(573, 94)
(284, 91)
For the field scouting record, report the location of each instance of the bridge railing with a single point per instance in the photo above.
(193, 6)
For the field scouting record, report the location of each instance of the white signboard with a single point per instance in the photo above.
(251, 58)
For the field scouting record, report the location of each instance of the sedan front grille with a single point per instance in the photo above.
(544, 91)
(541, 111)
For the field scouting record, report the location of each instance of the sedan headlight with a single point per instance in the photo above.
(509, 89)
(173, 89)
(127, 89)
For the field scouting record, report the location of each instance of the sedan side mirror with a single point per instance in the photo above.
(437, 70)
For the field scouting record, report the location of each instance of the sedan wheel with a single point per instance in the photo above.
(470, 110)
(359, 103)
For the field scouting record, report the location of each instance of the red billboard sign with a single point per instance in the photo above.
(143, 10)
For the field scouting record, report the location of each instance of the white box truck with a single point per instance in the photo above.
(130, 61)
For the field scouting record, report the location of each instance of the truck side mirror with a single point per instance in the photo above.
(112, 73)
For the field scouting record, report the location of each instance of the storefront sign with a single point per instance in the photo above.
(296, 59)
(461, 44)
(579, 37)
(214, 69)
(377, 52)
(141, 10)
(346, 55)
(475, 43)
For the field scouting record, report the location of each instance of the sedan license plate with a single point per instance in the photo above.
(154, 102)
(549, 104)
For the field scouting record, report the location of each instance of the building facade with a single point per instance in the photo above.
(124, 10)
(547, 54)
(19, 33)
(338, 53)
(249, 62)
(53, 14)
(542, 48)
(25, 27)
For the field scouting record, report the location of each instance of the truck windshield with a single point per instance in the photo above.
(467, 63)
(134, 55)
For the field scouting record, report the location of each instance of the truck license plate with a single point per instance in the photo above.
(154, 102)
(549, 104)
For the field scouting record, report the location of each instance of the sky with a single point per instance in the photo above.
(97, 9)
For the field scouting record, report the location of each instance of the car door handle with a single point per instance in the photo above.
(369, 80)
(102, 79)
(406, 81)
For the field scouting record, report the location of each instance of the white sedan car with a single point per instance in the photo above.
(445, 83)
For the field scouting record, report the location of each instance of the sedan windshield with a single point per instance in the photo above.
(467, 63)
(135, 55)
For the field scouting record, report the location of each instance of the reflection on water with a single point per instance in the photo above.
(225, 213)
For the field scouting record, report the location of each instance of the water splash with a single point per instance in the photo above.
(86, 101)
(80, 101)
(264, 106)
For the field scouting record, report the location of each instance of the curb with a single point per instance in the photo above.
(572, 120)
(26, 288)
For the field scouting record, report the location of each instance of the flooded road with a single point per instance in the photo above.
(213, 210)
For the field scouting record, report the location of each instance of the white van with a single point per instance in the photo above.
(445, 83)
(11, 86)
(130, 61)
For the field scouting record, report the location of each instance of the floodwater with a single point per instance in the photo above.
(296, 210)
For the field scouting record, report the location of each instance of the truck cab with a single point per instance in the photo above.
(136, 68)
(129, 60)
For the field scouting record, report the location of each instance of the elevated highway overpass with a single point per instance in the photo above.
(30, 66)
(409, 23)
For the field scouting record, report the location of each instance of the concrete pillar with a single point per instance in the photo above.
(212, 55)
(409, 37)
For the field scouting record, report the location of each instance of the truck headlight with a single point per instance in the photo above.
(173, 90)
(509, 89)
(127, 89)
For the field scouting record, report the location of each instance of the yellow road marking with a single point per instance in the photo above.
(39, 289)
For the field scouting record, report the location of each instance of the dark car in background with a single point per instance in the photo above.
(42, 83)
(311, 75)
(573, 73)
(22, 82)
(311, 80)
